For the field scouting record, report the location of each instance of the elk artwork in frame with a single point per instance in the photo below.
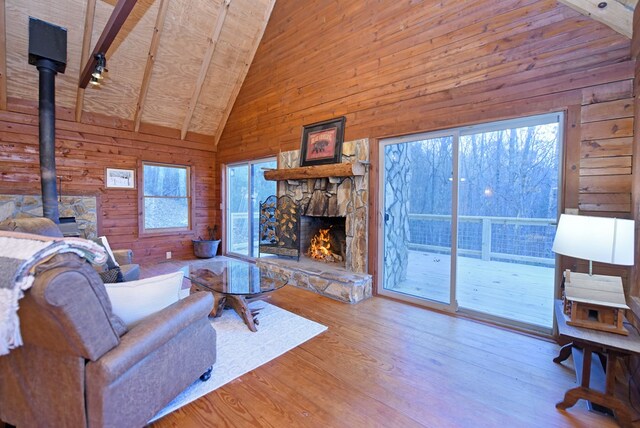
(322, 142)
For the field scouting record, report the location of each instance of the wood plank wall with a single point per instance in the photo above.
(634, 362)
(635, 199)
(83, 152)
(394, 68)
(606, 154)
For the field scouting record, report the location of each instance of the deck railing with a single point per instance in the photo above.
(239, 222)
(512, 239)
(509, 239)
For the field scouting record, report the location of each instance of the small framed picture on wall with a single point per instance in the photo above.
(120, 178)
(322, 142)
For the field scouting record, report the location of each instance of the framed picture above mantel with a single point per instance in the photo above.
(322, 142)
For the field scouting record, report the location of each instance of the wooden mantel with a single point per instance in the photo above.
(343, 169)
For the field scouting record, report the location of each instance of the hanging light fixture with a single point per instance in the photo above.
(101, 67)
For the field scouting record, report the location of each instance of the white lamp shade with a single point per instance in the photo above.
(601, 239)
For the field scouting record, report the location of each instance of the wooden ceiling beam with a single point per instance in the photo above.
(114, 24)
(618, 14)
(204, 68)
(86, 45)
(151, 58)
(240, 79)
(3, 57)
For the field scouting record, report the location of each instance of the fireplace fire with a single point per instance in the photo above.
(323, 239)
(320, 247)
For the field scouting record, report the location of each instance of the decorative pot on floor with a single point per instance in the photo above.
(206, 248)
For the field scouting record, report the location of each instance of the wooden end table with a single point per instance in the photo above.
(233, 283)
(590, 341)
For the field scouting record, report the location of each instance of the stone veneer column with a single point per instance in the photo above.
(396, 226)
(356, 223)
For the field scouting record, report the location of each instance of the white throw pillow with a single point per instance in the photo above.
(105, 243)
(133, 301)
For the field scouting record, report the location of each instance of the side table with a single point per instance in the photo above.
(614, 346)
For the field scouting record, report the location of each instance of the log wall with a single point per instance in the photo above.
(83, 152)
(634, 362)
(635, 200)
(395, 68)
(606, 154)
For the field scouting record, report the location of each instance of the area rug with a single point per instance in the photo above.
(239, 350)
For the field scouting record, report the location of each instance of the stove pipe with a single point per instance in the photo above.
(47, 134)
(48, 52)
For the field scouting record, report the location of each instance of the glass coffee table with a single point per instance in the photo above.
(233, 284)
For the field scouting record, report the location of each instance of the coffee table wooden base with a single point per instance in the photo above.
(236, 302)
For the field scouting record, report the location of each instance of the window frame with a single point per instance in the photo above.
(141, 200)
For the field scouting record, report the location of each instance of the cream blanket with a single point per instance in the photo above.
(20, 253)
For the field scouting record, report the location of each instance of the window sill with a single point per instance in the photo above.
(240, 257)
(167, 232)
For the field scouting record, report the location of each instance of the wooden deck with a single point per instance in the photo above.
(383, 363)
(508, 290)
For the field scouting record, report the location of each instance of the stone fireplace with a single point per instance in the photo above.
(338, 203)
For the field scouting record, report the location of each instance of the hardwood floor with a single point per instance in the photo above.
(388, 364)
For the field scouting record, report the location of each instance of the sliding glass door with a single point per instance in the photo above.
(469, 218)
(417, 217)
(246, 188)
(507, 213)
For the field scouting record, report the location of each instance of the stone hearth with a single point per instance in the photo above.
(322, 278)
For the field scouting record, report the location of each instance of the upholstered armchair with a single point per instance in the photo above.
(80, 367)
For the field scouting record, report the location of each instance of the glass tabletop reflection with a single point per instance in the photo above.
(235, 277)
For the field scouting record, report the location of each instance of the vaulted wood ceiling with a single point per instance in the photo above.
(175, 63)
